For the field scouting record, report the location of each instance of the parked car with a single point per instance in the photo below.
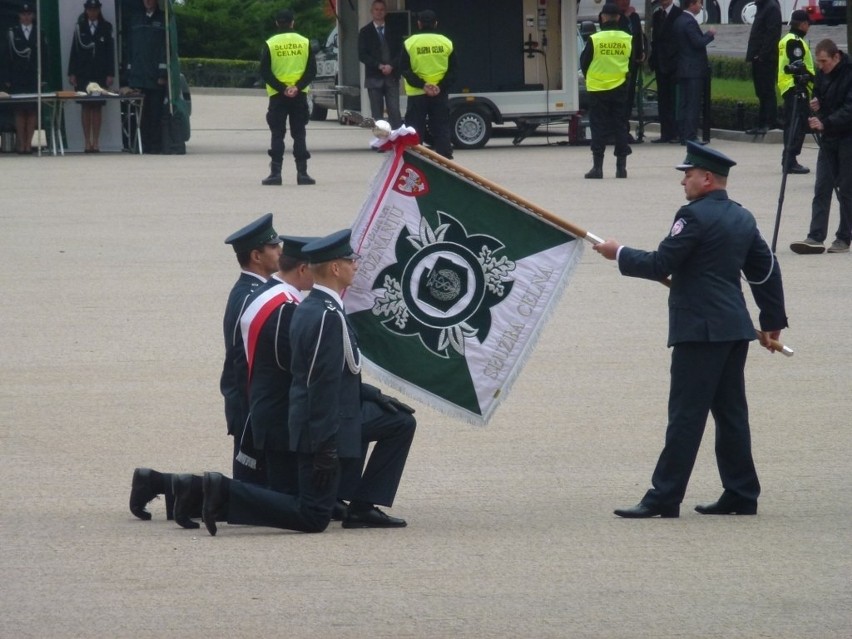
(833, 11)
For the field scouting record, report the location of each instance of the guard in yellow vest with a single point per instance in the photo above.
(288, 67)
(794, 55)
(605, 63)
(428, 66)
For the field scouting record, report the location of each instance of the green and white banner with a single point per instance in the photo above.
(454, 286)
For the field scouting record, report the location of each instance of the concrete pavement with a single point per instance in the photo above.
(114, 277)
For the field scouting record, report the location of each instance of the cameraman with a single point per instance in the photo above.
(795, 71)
(832, 106)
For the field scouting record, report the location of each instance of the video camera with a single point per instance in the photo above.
(798, 70)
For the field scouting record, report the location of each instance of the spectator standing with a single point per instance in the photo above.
(378, 51)
(762, 53)
(663, 62)
(21, 61)
(793, 49)
(288, 67)
(832, 120)
(92, 59)
(630, 22)
(693, 68)
(147, 71)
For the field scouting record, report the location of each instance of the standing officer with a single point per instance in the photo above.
(664, 63)
(629, 22)
(20, 58)
(762, 53)
(605, 62)
(378, 51)
(258, 248)
(92, 59)
(327, 420)
(712, 241)
(148, 71)
(793, 49)
(428, 67)
(288, 67)
(692, 68)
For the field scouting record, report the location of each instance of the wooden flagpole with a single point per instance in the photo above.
(573, 229)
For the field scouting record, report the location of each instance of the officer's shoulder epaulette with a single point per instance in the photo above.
(330, 306)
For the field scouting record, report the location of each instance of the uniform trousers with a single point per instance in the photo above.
(764, 75)
(690, 93)
(150, 128)
(833, 162)
(309, 511)
(607, 120)
(706, 377)
(792, 147)
(384, 92)
(279, 110)
(667, 104)
(435, 110)
(282, 471)
(378, 482)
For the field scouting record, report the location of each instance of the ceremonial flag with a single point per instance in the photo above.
(455, 283)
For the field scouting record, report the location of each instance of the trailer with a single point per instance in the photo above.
(518, 62)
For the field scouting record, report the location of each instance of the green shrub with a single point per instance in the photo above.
(209, 72)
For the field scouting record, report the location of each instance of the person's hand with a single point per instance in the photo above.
(609, 249)
(766, 336)
(712, 32)
(814, 104)
(325, 464)
(432, 90)
(291, 91)
(392, 404)
(815, 124)
(72, 79)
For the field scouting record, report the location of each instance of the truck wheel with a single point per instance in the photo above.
(470, 128)
(742, 12)
(316, 113)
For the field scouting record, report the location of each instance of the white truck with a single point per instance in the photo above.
(518, 62)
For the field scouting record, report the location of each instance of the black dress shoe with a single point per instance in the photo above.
(726, 506)
(661, 141)
(758, 130)
(798, 169)
(186, 500)
(645, 511)
(338, 511)
(141, 493)
(215, 507)
(371, 518)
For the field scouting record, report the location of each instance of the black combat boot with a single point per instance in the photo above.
(274, 177)
(621, 166)
(597, 170)
(302, 177)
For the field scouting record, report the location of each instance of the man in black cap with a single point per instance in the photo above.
(333, 418)
(258, 247)
(428, 67)
(605, 62)
(793, 50)
(288, 67)
(711, 241)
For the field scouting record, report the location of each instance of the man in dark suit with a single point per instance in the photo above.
(711, 242)
(762, 53)
(692, 67)
(378, 51)
(664, 63)
(333, 416)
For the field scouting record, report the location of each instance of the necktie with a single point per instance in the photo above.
(26, 32)
(92, 27)
(381, 33)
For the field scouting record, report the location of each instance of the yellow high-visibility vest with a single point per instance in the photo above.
(610, 61)
(289, 55)
(430, 58)
(786, 80)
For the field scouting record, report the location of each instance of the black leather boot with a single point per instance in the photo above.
(621, 166)
(274, 177)
(597, 169)
(302, 177)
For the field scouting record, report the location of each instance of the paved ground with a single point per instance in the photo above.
(114, 277)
